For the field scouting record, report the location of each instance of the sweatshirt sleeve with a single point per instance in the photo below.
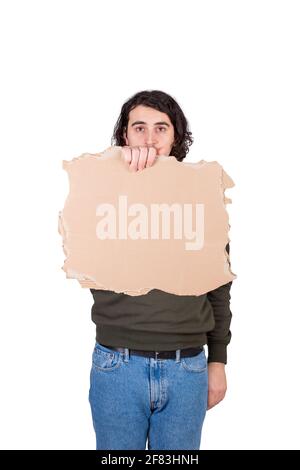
(220, 336)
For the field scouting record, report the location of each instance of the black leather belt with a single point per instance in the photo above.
(187, 352)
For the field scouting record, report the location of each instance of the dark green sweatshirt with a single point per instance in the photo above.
(160, 321)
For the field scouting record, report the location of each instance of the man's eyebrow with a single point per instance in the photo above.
(156, 123)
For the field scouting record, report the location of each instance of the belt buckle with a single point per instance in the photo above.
(156, 353)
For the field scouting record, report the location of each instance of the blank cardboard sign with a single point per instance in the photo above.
(164, 227)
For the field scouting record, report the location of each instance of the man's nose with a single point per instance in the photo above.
(150, 139)
(150, 143)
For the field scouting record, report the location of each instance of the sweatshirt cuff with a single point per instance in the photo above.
(217, 353)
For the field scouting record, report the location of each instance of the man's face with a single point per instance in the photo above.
(148, 127)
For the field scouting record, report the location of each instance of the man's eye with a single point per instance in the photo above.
(163, 128)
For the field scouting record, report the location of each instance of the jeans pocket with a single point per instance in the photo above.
(196, 363)
(104, 360)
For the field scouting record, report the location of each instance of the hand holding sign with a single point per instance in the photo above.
(139, 158)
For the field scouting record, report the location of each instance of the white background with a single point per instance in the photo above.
(67, 67)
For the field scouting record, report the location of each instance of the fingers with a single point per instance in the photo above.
(135, 153)
(139, 158)
(152, 154)
(126, 151)
(143, 158)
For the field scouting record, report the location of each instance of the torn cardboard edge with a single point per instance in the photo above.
(90, 281)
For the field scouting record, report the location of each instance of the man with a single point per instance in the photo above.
(150, 377)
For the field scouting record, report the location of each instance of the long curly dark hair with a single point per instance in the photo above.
(162, 102)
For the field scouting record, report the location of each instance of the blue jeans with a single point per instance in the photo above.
(133, 398)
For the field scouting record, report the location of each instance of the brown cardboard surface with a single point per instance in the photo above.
(181, 252)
